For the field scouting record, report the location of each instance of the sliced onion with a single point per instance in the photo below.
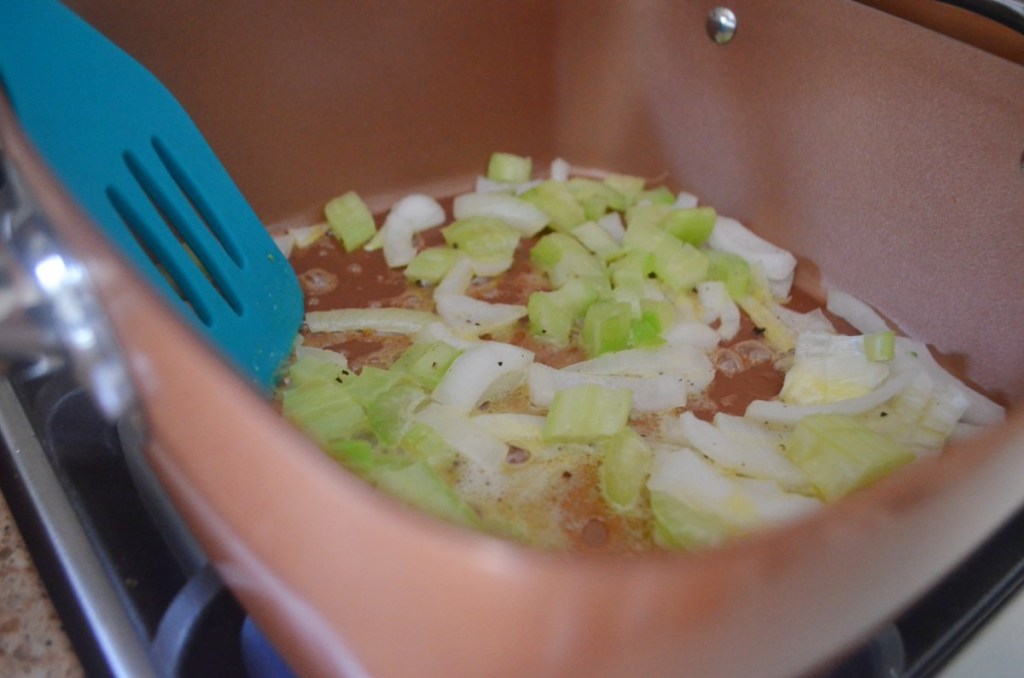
(467, 437)
(650, 394)
(612, 225)
(854, 311)
(388, 320)
(475, 374)
(560, 170)
(772, 411)
(408, 216)
(285, 242)
(686, 201)
(719, 306)
(517, 213)
(731, 236)
(691, 333)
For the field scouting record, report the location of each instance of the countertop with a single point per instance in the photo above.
(32, 640)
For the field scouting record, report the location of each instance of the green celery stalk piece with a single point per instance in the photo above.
(839, 453)
(482, 238)
(424, 443)
(587, 413)
(731, 269)
(679, 526)
(633, 268)
(607, 327)
(625, 464)
(425, 363)
(356, 455)
(430, 265)
(422, 487)
(371, 382)
(629, 186)
(554, 199)
(880, 346)
(390, 413)
(679, 265)
(660, 196)
(325, 411)
(646, 216)
(646, 330)
(597, 240)
(308, 370)
(692, 225)
(563, 258)
(350, 220)
(509, 168)
(553, 314)
(596, 197)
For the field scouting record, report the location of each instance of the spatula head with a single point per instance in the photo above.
(134, 159)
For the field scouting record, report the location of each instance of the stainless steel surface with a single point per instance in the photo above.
(721, 25)
(98, 600)
(49, 313)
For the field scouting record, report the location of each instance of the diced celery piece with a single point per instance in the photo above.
(880, 346)
(485, 239)
(681, 265)
(731, 269)
(430, 265)
(356, 455)
(420, 486)
(325, 411)
(630, 187)
(311, 367)
(839, 453)
(664, 312)
(553, 314)
(692, 225)
(509, 168)
(597, 240)
(632, 269)
(647, 216)
(625, 465)
(371, 382)
(774, 330)
(350, 220)
(645, 331)
(606, 327)
(390, 412)
(425, 444)
(682, 527)
(426, 362)
(596, 197)
(563, 258)
(588, 412)
(659, 196)
(554, 199)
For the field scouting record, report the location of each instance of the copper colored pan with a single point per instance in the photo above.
(887, 153)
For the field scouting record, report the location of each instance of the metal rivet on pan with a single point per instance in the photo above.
(721, 25)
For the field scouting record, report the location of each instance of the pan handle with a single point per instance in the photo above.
(1010, 13)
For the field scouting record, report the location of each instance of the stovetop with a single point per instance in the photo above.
(134, 605)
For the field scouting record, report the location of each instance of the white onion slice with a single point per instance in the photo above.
(517, 213)
(719, 306)
(685, 201)
(388, 320)
(466, 436)
(691, 333)
(612, 225)
(772, 411)
(560, 170)
(854, 311)
(408, 216)
(731, 236)
(285, 242)
(650, 394)
(474, 376)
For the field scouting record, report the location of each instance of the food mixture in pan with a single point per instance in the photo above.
(594, 363)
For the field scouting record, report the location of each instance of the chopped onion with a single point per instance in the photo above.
(650, 394)
(480, 373)
(855, 312)
(465, 435)
(612, 224)
(519, 214)
(778, 412)
(685, 201)
(692, 333)
(285, 242)
(714, 297)
(730, 235)
(388, 320)
(560, 170)
(408, 216)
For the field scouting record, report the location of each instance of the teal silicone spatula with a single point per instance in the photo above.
(129, 153)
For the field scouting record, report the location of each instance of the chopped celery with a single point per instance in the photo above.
(316, 365)
(554, 199)
(430, 265)
(596, 197)
(369, 384)
(483, 239)
(880, 346)
(325, 410)
(646, 330)
(350, 220)
(774, 330)
(597, 240)
(679, 265)
(421, 486)
(390, 412)
(658, 196)
(840, 454)
(509, 168)
(423, 443)
(625, 465)
(679, 526)
(634, 267)
(692, 225)
(587, 412)
(553, 314)
(563, 258)
(355, 455)
(606, 327)
(649, 215)
(629, 186)
(426, 362)
(731, 269)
